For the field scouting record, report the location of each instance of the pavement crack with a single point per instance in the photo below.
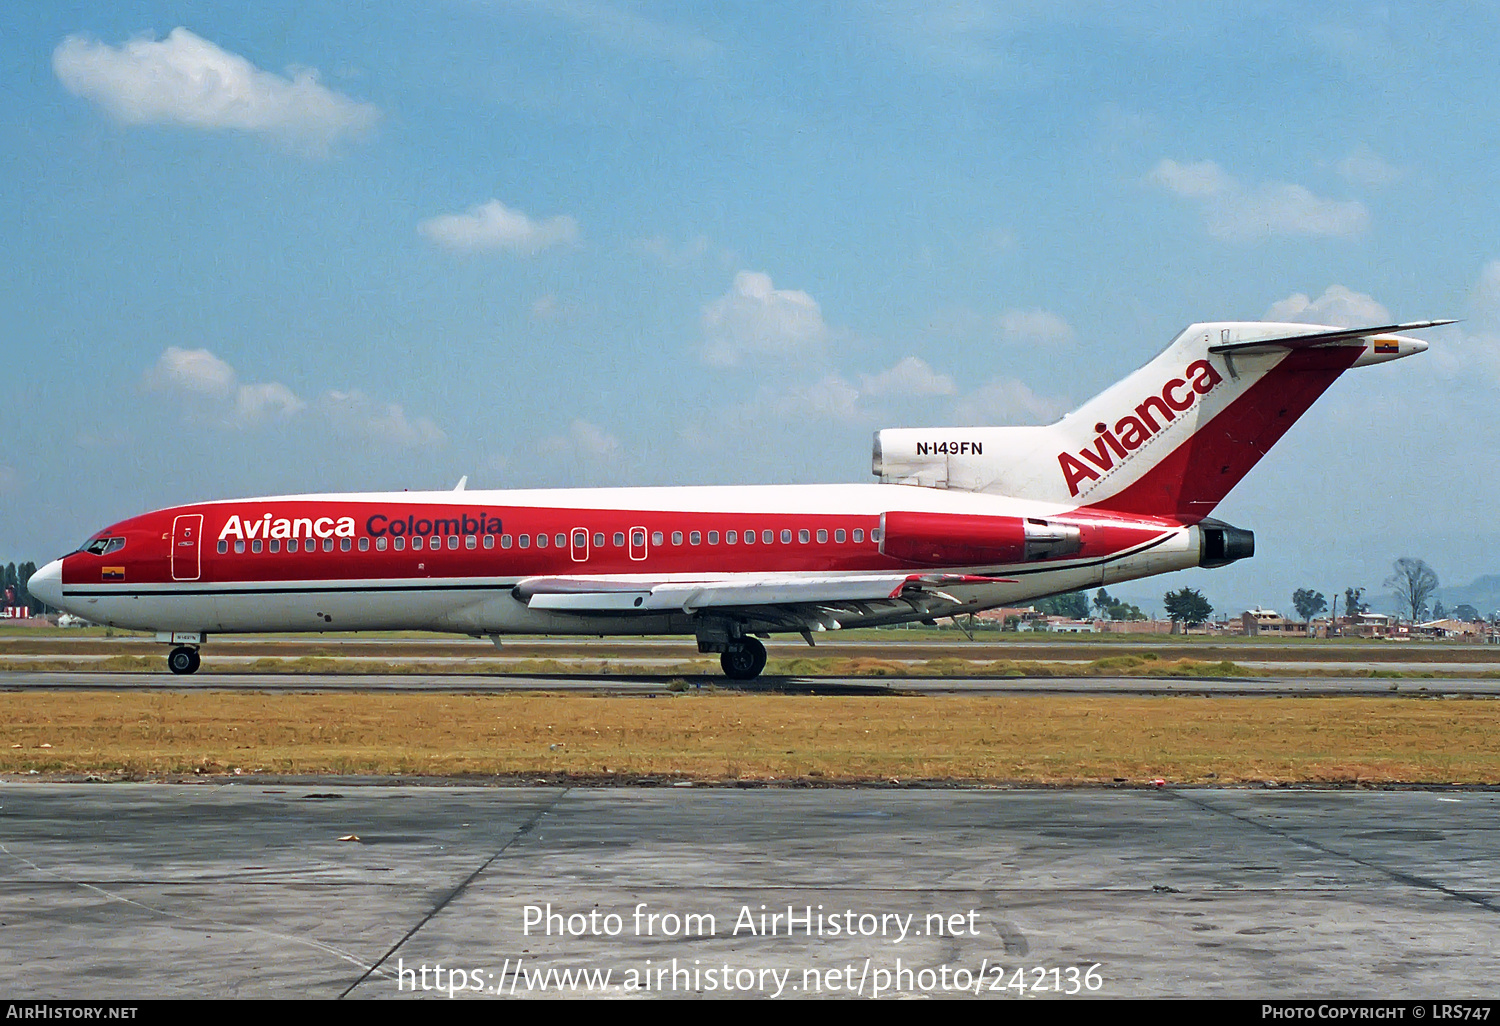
(463, 885)
(317, 945)
(1410, 879)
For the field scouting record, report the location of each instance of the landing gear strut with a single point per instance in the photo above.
(744, 659)
(183, 659)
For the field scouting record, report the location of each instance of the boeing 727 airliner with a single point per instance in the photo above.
(963, 519)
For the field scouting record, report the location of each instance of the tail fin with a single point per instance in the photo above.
(1171, 439)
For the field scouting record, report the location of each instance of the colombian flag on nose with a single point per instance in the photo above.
(112, 573)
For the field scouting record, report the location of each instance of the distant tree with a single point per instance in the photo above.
(1103, 602)
(1352, 605)
(1188, 606)
(1074, 605)
(1464, 611)
(1108, 606)
(1309, 603)
(1414, 582)
(1438, 612)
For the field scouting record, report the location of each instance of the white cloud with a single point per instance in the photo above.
(186, 80)
(910, 377)
(1193, 181)
(755, 319)
(194, 371)
(1478, 345)
(356, 415)
(1233, 212)
(1338, 306)
(586, 442)
(1004, 401)
(493, 225)
(212, 384)
(212, 393)
(1038, 326)
(1365, 167)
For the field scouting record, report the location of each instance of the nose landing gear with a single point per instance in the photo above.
(183, 659)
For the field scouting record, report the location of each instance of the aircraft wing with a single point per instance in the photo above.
(1317, 338)
(800, 603)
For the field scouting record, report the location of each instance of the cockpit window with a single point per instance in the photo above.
(104, 546)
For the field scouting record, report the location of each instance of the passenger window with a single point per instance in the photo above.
(364, 545)
(239, 546)
(328, 544)
(453, 541)
(676, 537)
(223, 546)
(541, 541)
(435, 543)
(749, 537)
(380, 544)
(275, 544)
(598, 539)
(524, 541)
(786, 536)
(695, 537)
(345, 544)
(838, 535)
(803, 536)
(730, 537)
(657, 538)
(619, 539)
(713, 537)
(489, 541)
(859, 535)
(505, 541)
(471, 542)
(768, 537)
(560, 540)
(255, 546)
(399, 544)
(637, 538)
(875, 534)
(822, 536)
(416, 542)
(291, 544)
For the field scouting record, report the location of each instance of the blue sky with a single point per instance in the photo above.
(294, 247)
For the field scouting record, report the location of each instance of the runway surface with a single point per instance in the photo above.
(630, 684)
(140, 890)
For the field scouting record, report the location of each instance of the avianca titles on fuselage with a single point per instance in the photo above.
(728, 564)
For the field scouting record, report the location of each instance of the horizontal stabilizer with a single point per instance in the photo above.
(1317, 338)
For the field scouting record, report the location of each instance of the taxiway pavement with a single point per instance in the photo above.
(261, 890)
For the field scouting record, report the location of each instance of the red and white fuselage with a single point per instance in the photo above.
(965, 519)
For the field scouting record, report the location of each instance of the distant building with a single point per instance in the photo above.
(1260, 621)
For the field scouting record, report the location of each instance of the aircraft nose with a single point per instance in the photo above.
(46, 584)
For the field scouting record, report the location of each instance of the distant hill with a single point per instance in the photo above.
(1483, 593)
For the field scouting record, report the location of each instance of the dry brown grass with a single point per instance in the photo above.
(716, 736)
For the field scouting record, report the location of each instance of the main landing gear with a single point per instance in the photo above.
(743, 659)
(184, 659)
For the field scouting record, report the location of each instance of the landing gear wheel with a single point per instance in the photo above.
(183, 660)
(745, 660)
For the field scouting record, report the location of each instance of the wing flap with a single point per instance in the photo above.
(604, 595)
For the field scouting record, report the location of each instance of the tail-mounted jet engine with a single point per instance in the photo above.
(1222, 544)
(949, 539)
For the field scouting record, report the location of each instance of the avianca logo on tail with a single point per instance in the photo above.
(1130, 433)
